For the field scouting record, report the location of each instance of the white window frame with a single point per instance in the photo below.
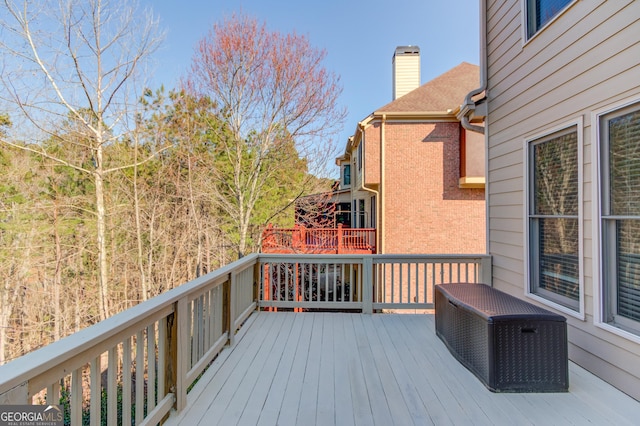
(599, 299)
(524, 5)
(580, 312)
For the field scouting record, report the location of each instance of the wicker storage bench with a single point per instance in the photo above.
(509, 344)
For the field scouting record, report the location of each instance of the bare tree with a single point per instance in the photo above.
(73, 62)
(273, 93)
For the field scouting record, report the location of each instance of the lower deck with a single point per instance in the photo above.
(355, 369)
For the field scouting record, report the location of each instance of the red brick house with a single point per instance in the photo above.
(415, 175)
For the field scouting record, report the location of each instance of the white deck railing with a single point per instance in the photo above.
(337, 282)
(150, 355)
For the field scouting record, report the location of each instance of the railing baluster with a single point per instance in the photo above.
(219, 311)
(199, 328)
(342, 281)
(326, 282)
(126, 381)
(139, 377)
(76, 397)
(206, 320)
(190, 332)
(53, 393)
(408, 282)
(279, 280)
(151, 367)
(392, 267)
(425, 283)
(308, 274)
(353, 286)
(112, 386)
(401, 283)
(95, 386)
(417, 284)
(287, 280)
(162, 357)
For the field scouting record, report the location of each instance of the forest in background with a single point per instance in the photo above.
(112, 193)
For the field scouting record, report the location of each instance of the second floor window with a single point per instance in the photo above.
(346, 175)
(540, 12)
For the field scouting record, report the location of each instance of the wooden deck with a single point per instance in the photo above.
(383, 369)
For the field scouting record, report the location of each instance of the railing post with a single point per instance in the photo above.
(226, 311)
(298, 239)
(367, 285)
(232, 307)
(340, 239)
(256, 281)
(486, 275)
(176, 345)
(296, 271)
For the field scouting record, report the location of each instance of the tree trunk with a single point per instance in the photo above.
(136, 201)
(101, 216)
(57, 280)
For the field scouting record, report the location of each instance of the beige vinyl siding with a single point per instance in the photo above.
(586, 59)
(406, 74)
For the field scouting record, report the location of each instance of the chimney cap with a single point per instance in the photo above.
(407, 50)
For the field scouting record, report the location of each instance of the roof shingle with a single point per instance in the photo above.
(447, 91)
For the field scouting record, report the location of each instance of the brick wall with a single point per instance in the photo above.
(426, 211)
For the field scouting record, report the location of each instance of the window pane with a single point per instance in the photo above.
(558, 242)
(361, 214)
(628, 269)
(347, 175)
(556, 176)
(542, 11)
(547, 9)
(624, 158)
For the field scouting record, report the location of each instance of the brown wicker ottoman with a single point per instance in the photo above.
(509, 344)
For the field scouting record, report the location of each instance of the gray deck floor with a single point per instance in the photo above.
(383, 369)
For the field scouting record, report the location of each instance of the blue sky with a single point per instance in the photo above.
(359, 37)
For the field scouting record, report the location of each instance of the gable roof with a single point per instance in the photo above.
(443, 93)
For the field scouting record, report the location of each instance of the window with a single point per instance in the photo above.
(620, 207)
(346, 175)
(360, 155)
(343, 214)
(540, 12)
(354, 212)
(373, 212)
(553, 218)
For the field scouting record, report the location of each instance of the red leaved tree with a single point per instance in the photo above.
(272, 91)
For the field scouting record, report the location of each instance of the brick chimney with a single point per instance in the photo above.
(406, 70)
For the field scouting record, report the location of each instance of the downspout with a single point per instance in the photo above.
(381, 211)
(469, 105)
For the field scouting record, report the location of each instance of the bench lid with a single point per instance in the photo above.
(494, 304)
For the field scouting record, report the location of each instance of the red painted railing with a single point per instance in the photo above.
(319, 240)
